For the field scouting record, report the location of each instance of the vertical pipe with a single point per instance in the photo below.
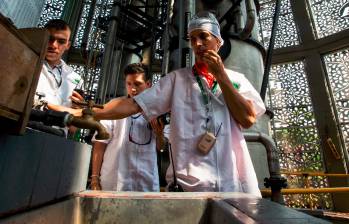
(166, 39)
(270, 50)
(72, 14)
(108, 55)
(250, 20)
(186, 9)
(114, 72)
(88, 25)
(276, 181)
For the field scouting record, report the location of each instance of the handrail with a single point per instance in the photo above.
(250, 21)
(269, 193)
(315, 174)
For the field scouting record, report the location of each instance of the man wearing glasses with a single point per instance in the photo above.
(127, 161)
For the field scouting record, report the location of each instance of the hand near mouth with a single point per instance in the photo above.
(214, 62)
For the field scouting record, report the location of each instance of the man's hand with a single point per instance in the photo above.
(240, 109)
(157, 126)
(75, 112)
(95, 184)
(76, 97)
(214, 62)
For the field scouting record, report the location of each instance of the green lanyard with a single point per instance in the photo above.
(202, 90)
(205, 95)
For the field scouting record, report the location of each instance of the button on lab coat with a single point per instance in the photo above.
(228, 166)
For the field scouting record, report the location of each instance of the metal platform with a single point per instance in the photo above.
(133, 207)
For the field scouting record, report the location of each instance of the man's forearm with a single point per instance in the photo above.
(97, 157)
(117, 109)
(97, 160)
(60, 108)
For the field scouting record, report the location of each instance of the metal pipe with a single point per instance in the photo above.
(268, 142)
(166, 38)
(239, 20)
(72, 12)
(270, 50)
(186, 9)
(50, 117)
(250, 20)
(275, 181)
(268, 192)
(108, 55)
(88, 25)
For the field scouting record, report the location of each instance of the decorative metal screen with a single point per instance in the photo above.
(327, 18)
(103, 9)
(95, 42)
(337, 67)
(82, 24)
(53, 9)
(295, 132)
(286, 34)
(90, 77)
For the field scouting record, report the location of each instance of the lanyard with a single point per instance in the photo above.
(204, 95)
(57, 76)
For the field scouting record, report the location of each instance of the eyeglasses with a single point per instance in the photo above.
(135, 136)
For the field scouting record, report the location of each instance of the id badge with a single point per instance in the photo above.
(206, 143)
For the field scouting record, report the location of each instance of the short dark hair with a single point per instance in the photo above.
(58, 24)
(135, 68)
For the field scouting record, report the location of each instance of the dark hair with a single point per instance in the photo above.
(57, 24)
(137, 68)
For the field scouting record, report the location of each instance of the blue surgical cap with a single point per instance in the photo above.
(205, 21)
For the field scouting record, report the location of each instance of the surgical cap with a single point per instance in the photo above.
(206, 21)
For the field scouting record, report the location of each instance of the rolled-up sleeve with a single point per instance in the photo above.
(247, 90)
(157, 100)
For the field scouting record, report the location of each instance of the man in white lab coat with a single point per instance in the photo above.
(58, 80)
(209, 106)
(127, 161)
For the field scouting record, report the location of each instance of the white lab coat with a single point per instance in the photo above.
(58, 95)
(127, 166)
(228, 166)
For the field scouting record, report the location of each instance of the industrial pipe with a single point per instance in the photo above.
(250, 20)
(270, 50)
(185, 56)
(88, 26)
(106, 70)
(268, 142)
(166, 39)
(50, 117)
(276, 182)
